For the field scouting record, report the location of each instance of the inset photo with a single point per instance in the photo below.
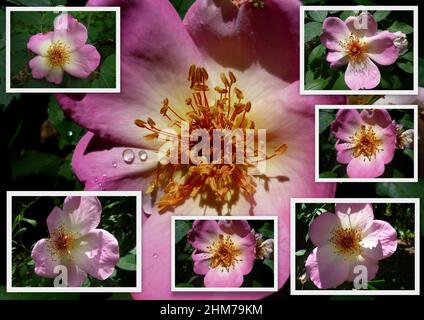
(73, 241)
(359, 50)
(366, 143)
(224, 253)
(355, 246)
(62, 49)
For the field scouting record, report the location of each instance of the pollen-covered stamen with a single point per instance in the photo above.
(224, 253)
(223, 177)
(365, 143)
(355, 48)
(347, 241)
(58, 54)
(61, 241)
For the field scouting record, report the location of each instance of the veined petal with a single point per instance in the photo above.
(40, 42)
(71, 32)
(362, 167)
(321, 228)
(355, 215)
(381, 48)
(337, 58)
(379, 240)
(362, 75)
(83, 61)
(203, 233)
(344, 152)
(360, 262)
(97, 253)
(240, 228)
(201, 262)
(40, 67)
(363, 25)
(82, 214)
(218, 278)
(45, 259)
(335, 31)
(380, 117)
(76, 275)
(348, 121)
(55, 75)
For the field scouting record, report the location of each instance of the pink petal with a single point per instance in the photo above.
(69, 31)
(83, 61)
(40, 42)
(334, 31)
(240, 37)
(363, 25)
(40, 67)
(83, 213)
(321, 228)
(388, 143)
(76, 276)
(362, 167)
(347, 122)
(380, 117)
(355, 215)
(203, 233)
(237, 227)
(55, 75)
(325, 268)
(381, 48)
(45, 259)
(379, 240)
(337, 58)
(344, 152)
(97, 253)
(56, 219)
(247, 247)
(362, 75)
(201, 262)
(221, 278)
(370, 265)
(151, 71)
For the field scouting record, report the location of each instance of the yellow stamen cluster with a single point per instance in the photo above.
(224, 253)
(220, 183)
(259, 4)
(58, 54)
(355, 47)
(366, 143)
(61, 242)
(347, 241)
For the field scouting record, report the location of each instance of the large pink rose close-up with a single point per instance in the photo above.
(223, 66)
(349, 238)
(75, 243)
(63, 49)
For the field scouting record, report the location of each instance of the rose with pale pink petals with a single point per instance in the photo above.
(346, 239)
(76, 243)
(63, 50)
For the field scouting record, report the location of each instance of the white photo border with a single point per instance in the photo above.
(117, 89)
(386, 107)
(303, 91)
(274, 288)
(138, 199)
(322, 292)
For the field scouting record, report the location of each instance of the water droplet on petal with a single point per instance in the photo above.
(128, 156)
(114, 164)
(155, 256)
(142, 155)
(104, 175)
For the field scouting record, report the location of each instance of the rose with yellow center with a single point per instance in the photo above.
(224, 251)
(349, 238)
(366, 141)
(177, 72)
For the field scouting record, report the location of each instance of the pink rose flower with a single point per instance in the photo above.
(349, 238)
(366, 141)
(75, 243)
(224, 251)
(63, 49)
(357, 43)
(158, 50)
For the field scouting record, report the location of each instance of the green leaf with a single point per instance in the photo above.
(35, 162)
(328, 174)
(128, 263)
(407, 121)
(317, 84)
(401, 26)
(409, 55)
(340, 83)
(184, 285)
(318, 15)
(316, 53)
(107, 75)
(269, 263)
(406, 66)
(380, 15)
(345, 14)
(404, 190)
(421, 72)
(325, 119)
(409, 152)
(267, 230)
(30, 221)
(312, 30)
(181, 6)
(300, 253)
(181, 229)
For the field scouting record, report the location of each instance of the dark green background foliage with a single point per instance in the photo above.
(29, 225)
(402, 165)
(394, 273)
(262, 274)
(101, 34)
(318, 73)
